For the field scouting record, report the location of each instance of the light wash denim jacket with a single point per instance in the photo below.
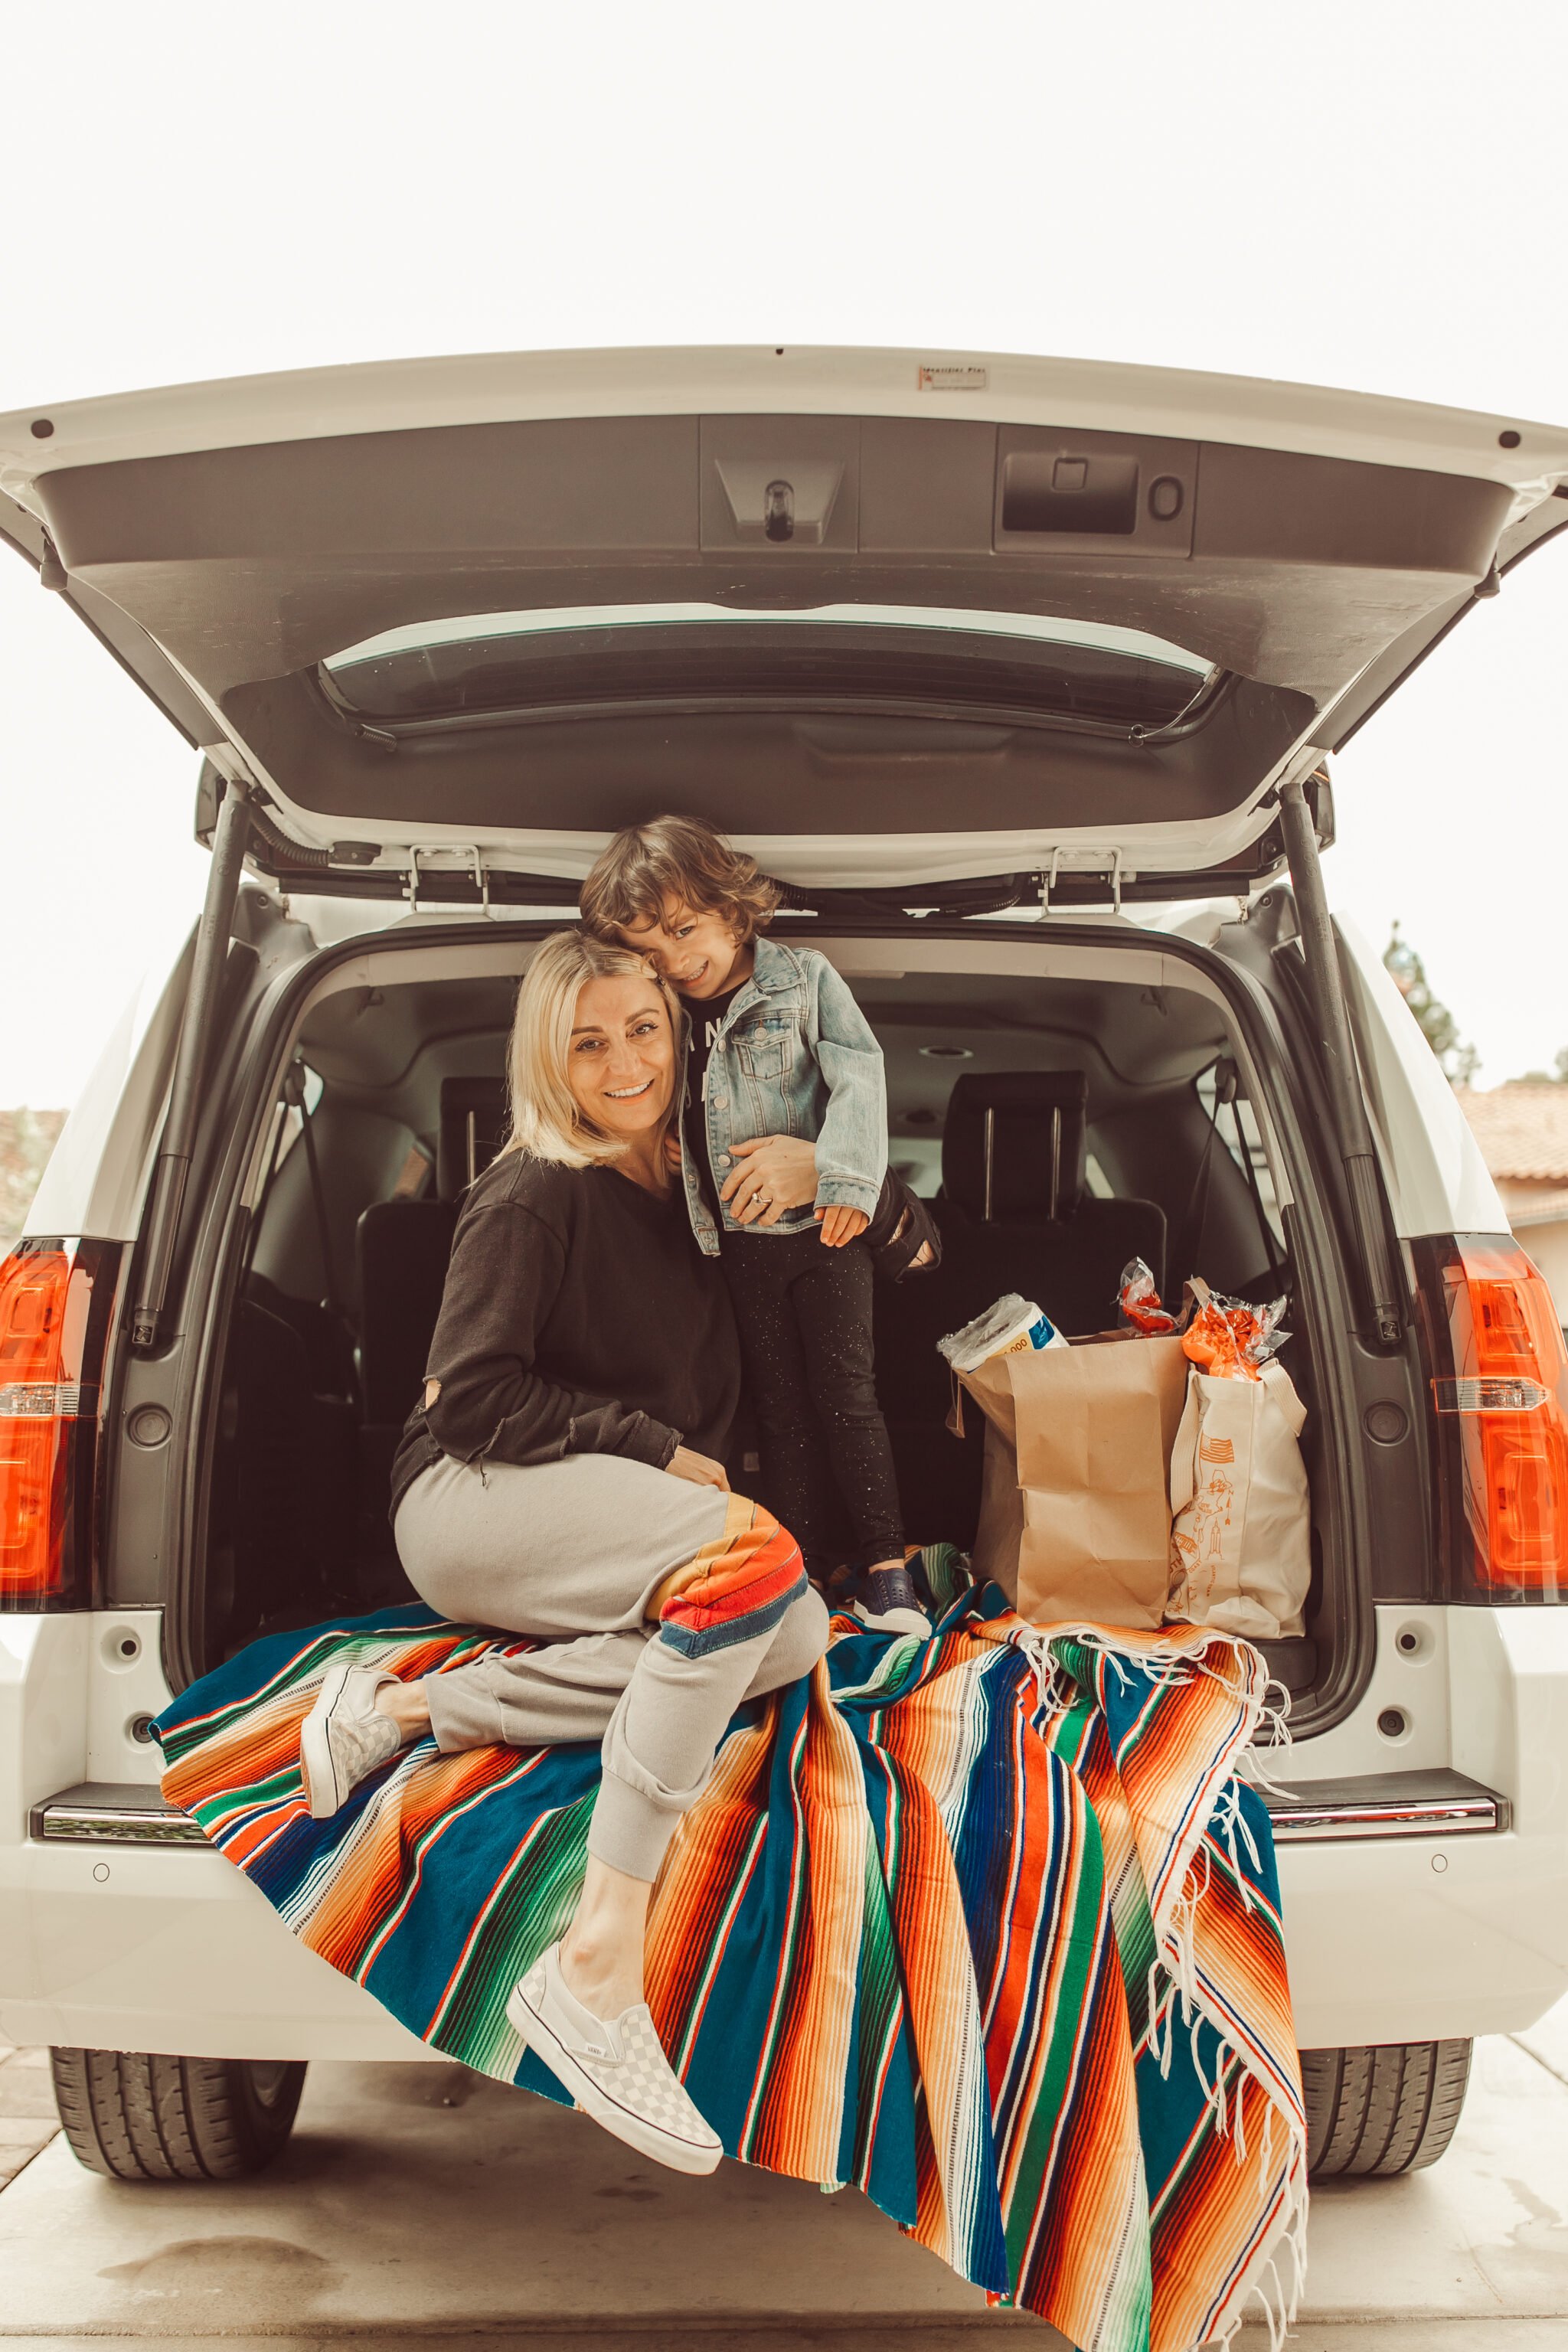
(794, 1056)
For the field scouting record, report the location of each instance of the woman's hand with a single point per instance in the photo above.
(695, 1468)
(777, 1173)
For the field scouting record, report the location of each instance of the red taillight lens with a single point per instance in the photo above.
(1499, 1383)
(56, 1302)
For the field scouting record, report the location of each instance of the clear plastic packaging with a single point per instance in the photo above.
(1230, 1338)
(1010, 1328)
(1141, 1301)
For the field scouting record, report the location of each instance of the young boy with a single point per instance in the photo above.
(778, 1047)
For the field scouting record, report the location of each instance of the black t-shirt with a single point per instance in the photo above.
(578, 1317)
(708, 1016)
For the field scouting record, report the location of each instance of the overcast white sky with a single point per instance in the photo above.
(1338, 193)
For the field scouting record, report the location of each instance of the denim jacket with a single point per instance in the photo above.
(794, 1056)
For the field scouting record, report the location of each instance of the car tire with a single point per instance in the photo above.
(135, 2115)
(1391, 2108)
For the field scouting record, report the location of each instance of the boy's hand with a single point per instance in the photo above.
(840, 1226)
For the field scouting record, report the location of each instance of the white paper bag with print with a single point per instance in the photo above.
(1239, 1553)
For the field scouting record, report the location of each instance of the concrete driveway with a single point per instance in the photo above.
(420, 2204)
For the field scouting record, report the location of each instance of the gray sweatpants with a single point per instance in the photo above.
(572, 1553)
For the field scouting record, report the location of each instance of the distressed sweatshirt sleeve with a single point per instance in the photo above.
(493, 1402)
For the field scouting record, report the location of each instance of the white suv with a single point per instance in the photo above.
(1021, 675)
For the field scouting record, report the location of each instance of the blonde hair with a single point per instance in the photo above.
(676, 858)
(545, 1118)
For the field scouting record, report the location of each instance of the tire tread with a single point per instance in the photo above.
(139, 2116)
(1384, 2108)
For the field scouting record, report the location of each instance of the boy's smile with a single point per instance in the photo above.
(695, 949)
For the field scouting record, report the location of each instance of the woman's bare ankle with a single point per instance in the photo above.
(408, 1706)
(602, 1950)
(606, 1982)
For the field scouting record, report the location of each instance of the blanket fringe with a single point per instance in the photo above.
(1281, 2302)
(1264, 1704)
(1274, 1714)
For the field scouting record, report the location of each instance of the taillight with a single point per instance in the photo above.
(1500, 1391)
(56, 1304)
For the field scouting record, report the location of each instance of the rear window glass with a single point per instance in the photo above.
(489, 665)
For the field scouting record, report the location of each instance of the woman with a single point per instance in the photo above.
(563, 1478)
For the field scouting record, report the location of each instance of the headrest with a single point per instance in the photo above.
(1014, 1143)
(473, 1129)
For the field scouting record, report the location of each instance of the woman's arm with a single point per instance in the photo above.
(484, 1396)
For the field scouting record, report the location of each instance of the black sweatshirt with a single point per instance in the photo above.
(578, 1317)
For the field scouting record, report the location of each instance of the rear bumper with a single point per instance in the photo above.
(1424, 1939)
(149, 1947)
(132, 1944)
(1412, 1933)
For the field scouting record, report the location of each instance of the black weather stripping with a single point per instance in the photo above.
(213, 933)
(1331, 1018)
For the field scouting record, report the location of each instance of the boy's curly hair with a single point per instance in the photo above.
(676, 858)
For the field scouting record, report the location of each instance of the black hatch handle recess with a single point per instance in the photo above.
(230, 842)
(1330, 1019)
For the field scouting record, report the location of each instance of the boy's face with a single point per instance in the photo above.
(695, 949)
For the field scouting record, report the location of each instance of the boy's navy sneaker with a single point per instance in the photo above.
(887, 1603)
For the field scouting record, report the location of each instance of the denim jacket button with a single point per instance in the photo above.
(721, 1102)
(722, 1158)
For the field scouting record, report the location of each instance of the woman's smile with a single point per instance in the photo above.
(621, 1061)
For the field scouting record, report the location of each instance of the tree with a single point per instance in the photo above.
(1457, 1060)
(26, 1139)
(1556, 1078)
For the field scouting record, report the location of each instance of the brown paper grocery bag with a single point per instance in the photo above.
(1075, 1513)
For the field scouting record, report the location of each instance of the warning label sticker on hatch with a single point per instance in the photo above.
(952, 379)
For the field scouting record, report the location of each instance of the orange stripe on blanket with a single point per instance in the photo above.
(345, 1922)
(797, 2125)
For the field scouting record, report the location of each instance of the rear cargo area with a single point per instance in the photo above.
(1125, 1131)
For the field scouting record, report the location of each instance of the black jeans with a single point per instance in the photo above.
(804, 1319)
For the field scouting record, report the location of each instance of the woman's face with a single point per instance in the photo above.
(621, 1063)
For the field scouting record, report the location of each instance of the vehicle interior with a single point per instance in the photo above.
(1060, 1128)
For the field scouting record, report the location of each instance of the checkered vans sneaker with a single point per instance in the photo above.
(616, 2069)
(345, 1738)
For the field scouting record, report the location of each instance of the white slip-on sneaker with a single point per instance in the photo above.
(615, 2068)
(345, 1737)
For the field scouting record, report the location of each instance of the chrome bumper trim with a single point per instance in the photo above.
(1384, 1821)
(110, 1813)
(1384, 1805)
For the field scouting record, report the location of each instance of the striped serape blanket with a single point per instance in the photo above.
(985, 1925)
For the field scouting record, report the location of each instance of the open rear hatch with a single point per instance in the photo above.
(895, 623)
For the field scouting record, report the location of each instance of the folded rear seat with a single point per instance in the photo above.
(1016, 1213)
(403, 1248)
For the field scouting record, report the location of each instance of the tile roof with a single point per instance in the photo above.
(1530, 1209)
(1522, 1130)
